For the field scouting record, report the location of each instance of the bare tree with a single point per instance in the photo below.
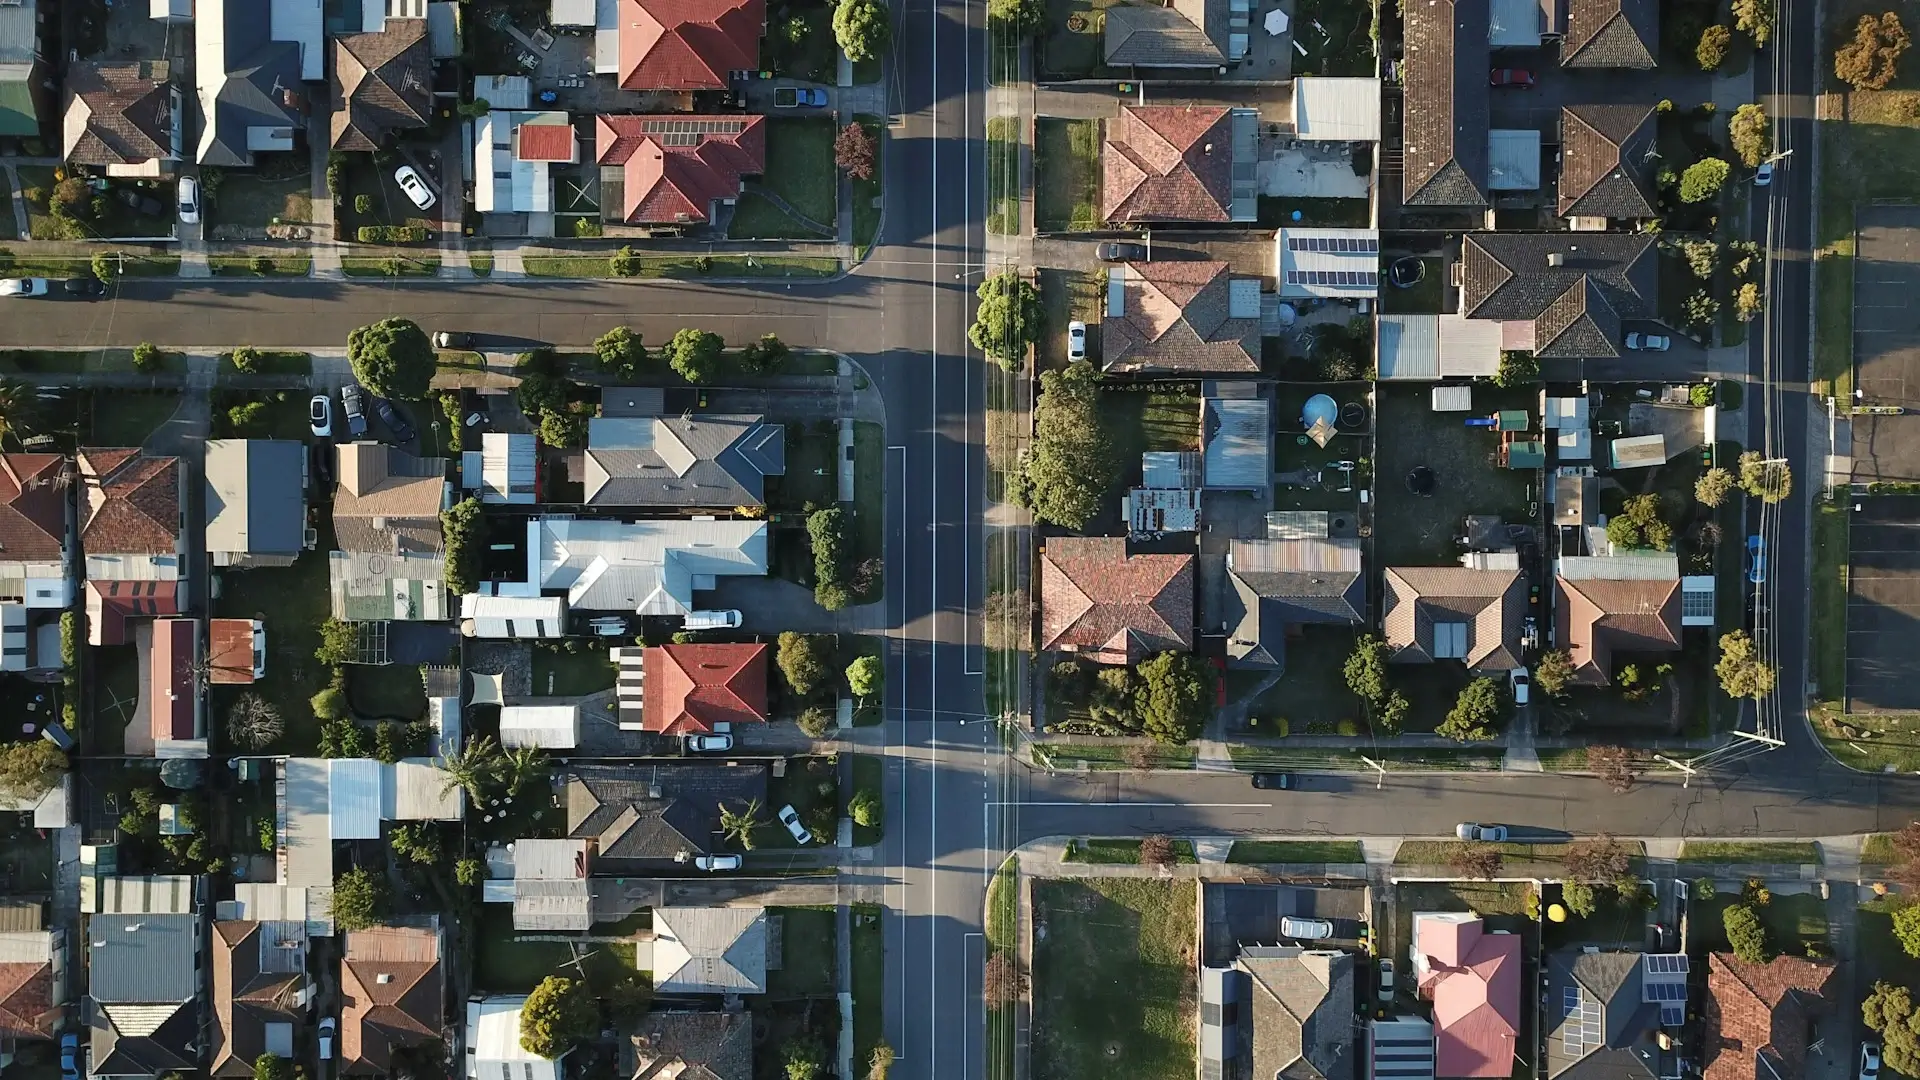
(1156, 850)
(1005, 982)
(1599, 860)
(1616, 765)
(1906, 849)
(1481, 861)
(253, 722)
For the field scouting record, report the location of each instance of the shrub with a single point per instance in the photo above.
(1752, 138)
(1156, 851)
(1746, 935)
(866, 809)
(1871, 60)
(246, 359)
(146, 357)
(586, 228)
(363, 204)
(804, 661)
(828, 529)
(1516, 369)
(464, 529)
(1172, 698)
(391, 234)
(624, 263)
(1712, 50)
(1703, 179)
(816, 721)
(1473, 713)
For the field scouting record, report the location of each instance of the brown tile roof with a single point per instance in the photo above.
(1446, 104)
(691, 688)
(688, 44)
(1606, 171)
(665, 181)
(392, 996)
(387, 500)
(132, 502)
(1177, 318)
(1761, 1010)
(382, 82)
(545, 142)
(1111, 607)
(1597, 617)
(230, 651)
(1611, 34)
(246, 999)
(27, 1008)
(176, 646)
(111, 603)
(118, 114)
(1168, 163)
(676, 1045)
(33, 507)
(1491, 604)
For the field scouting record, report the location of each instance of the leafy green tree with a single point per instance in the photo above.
(360, 899)
(816, 722)
(1009, 318)
(1906, 929)
(1393, 715)
(29, 769)
(1746, 934)
(1769, 480)
(1020, 16)
(330, 703)
(1366, 671)
(1756, 18)
(767, 354)
(1871, 60)
(417, 841)
(1580, 898)
(1890, 1011)
(862, 28)
(1742, 672)
(558, 1015)
(1474, 713)
(1071, 464)
(866, 808)
(696, 354)
(1748, 129)
(1553, 671)
(1516, 368)
(742, 826)
(1747, 303)
(1711, 52)
(1171, 697)
(1702, 255)
(620, 352)
(803, 660)
(392, 358)
(864, 676)
(463, 532)
(1713, 487)
(1703, 180)
(272, 1067)
(146, 358)
(469, 871)
(339, 643)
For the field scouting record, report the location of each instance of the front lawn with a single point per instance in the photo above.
(807, 944)
(755, 217)
(1877, 951)
(251, 200)
(1066, 174)
(1792, 921)
(130, 417)
(571, 674)
(1311, 697)
(1261, 852)
(800, 166)
(811, 786)
(1113, 978)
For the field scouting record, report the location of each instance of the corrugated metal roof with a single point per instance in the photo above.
(493, 1040)
(549, 726)
(710, 950)
(513, 616)
(307, 854)
(646, 567)
(375, 587)
(418, 792)
(151, 959)
(552, 905)
(550, 860)
(1236, 439)
(1338, 110)
(144, 895)
(507, 468)
(1638, 566)
(1639, 451)
(353, 798)
(1170, 469)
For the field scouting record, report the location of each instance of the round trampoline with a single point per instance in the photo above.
(1405, 273)
(1353, 414)
(1421, 481)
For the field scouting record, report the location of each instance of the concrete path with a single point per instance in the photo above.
(20, 219)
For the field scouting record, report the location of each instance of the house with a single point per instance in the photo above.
(710, 950)
(236, 651)
(1287, 1012)
(1759, 1018)
(522, 147)
(1606, 169)
(171, 690)
(655, 817)
(493, 1042)
(1446, 116)
(1606, 1013)
(1335, 264)
(692, 459)
(1472, 976)
(247, 73)
(260, 994)
(1179, 163)
(256, 502)
(1186, 34)
(131, 527)
(1276, 585)
(142, 1009)
(388, 501)
(122, 117)
(1105, 605)
(675, 45)
(33, 980)
(675, 169)
(1559, 295)
(644, 567)
(393, 990)
(382, 82)
(23, 71)
(547, 885)
(1626, 603)
(325, 801)
(372, 587)
(505, 470)
(35, 574)
(1611, 34)
(700, 688)
(1455, 613)
(1186, 317)
(682, 1043)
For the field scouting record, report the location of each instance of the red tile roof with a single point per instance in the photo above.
(1112, 607)
(1756, 1011)
(132, 502)
(690, 688)
(27, 1008)
(1473, 978)
(688, 44)
(33, 506)
(170, 678)
(230, 651)
(392, 987)
(546, 142)
(111, 603)
(1168, 163)
(664, 184)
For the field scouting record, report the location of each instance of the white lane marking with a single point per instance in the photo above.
(1142, 805)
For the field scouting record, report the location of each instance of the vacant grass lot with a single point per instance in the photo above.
(1066, 174)
(252, 201)
(1113, 978)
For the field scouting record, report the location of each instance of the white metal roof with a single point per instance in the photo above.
(513, 616)
(1327, 262)
(1515, 24)
(1564, 412)
(1635, 566)
(1639, 451)
(550, 860)
(571, 13)
(647, 567)
(307, 853)
(503, 91)
(1337, 110)
(443, 713)
(507, 463)
(354, 798)
(1513, 159)
(416, 790)
(549, 726)
(1426, 347)
(1455, 398)
(493, 1041)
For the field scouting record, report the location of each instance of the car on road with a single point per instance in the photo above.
(186, 198)
(355, 401)
(1869, 1061)
(84, 286)
(1076, 340)
(799, 97)
(1757, 560)
(1305, 929)
(70, 1056)
(451, 339)
(1273, 781)
(1512, 78)
(1470, 830)
(709, 744)
(320, 416)
(1386, 980)
(328, 1027)
(395, 420)
(726, 619)
(145, 205)
(1639, 342)
(414, 187)
(23, 286)
(1520, 684)
(791, 819)
(1121, 251)
(1763, 175)
(714, 864)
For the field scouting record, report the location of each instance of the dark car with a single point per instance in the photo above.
(396, 421)
(1512, 78)
(1273, 781)
(84, 286)
(142, 204)
(1118, 251)
(354, 400)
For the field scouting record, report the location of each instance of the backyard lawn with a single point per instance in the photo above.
(807, 946)
(509, 965)
(571, 674)
(113, 682)
(387, 692)
(1113, 978)
(1066, 174)
(1465, 478)
(1073, 45)
(293, 601)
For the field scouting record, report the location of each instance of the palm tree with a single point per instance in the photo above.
(16, 407)
(521, 764)
(741, 826)
(474, 767)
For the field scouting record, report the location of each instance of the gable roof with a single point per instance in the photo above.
(27, 1008)
(648, 567)
(1115, 608)
(1598, 1025)
(244, 80)
(656, 813)
(1761, 1011)
(1446, 118)
(382, 82)
(255, 983)
(709, 950)
(688, 44)
(386, 500)
(1611, 34)
(132, 502)
(118, 113)
(254, 502)
(1179, 316)
(1488, 603)
(1282, 583)
(686, 1045)
(1596, 616)
(33, 507)
(1606, 171)
(707, 459)
(142, 986)
(1168, 163)
(1302, 1012)
(670, 169)
(692, 688)
(1574, 287)
(1473, 978)
(1186, 34)
(392, 995)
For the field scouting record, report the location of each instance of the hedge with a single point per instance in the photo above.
(391, 234)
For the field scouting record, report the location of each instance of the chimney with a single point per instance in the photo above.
(1556, 259)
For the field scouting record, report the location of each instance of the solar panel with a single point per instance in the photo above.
(1667, 963)
(1666, 991)
(1673, 1016)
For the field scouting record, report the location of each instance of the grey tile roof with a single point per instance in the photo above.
(1187, 34)
(655, 813)
(261, 87)
(1446, 104)
(382, 82)
(1611, 980)
(1529, 276)
(1580, 323)
(1606, 171)
(1611, 34)
(1302, 1012)
(1281, 583)
(255, 503)
(708, 460)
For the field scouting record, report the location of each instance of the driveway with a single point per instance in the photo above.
(768, 605)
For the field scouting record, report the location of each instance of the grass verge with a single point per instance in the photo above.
(1115, 852)
(1295, 851)
(1717, 851)
(1003, 175)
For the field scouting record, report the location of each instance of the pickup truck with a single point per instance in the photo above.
(794, 97)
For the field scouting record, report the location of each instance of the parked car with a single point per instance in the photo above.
(145, 205)
(1121, 251)
(1763, 175)
(88, 287)
(1869, 1061)
(186, 197)
(1757, 560)
(395, 420)
(1273, 781)
(1649, 342)
(415, 188)
(1512, 78)
(728, 619)
(799, 97)
(355, 401)
(23, 286)
(608, 626)
(451, 339)
(1520, 684)
(320, 416)
(328, 1027)
(1386, 980)
(70, 1056)
(1305, 929)
(791, 819)
(709, 744)
(1076, 340)
(1468, 830)
(714, 864)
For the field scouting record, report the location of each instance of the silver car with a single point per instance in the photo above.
(1492, 834)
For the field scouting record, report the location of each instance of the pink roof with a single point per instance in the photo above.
(1473, 978)
(674, 167)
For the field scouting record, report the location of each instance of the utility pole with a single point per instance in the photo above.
(1379, 770)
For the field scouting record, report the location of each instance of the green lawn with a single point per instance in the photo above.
(254, 201)
(869, 774)
(387, 692)
(508, 966)
(1755, 852)
(113, 682)
(1003, 175)
(869, 981)
(66, 362)
(807, 953)
(1877, 850)
(247, 266)
(757, 218)
(1066, 174)
(1345, 759)
(810, 55)
(136, 264)
(800, 166)
(1066, 295)
(867, 194)
(1870, 742)
(407, 264)
(1113, 978)
(1295, 851)
(1829, 603)
(869, 494)
(570, 674)
(1437, 852)
(685, 266)
(811, 786)
(293, 601)
(1466, 480)
(1877, 951)
(1311, 696)
(128, 417)
(1003, 910)
(1073, 45)
(1105, 756)
(1791, 919)
(1424, 297)
(1116, 852)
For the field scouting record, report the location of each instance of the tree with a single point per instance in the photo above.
(1393, 716)
(339, 643)
(272, 1067)
(29, 769)
(1748, 131)
(766, 354)
(620, 352)
(862, 28)
(1156, 851)
(1746, 934)
(253, 722)
(1703, 256)
(1713, 486)
(474, 768)
(1756, 18)
(1600, 860)
(1553, 671)
(521, 766)
(469, 871)
(1023, 17)
(1071, 463)
(70, 197)
(803, 661)
(1009, 318)
(1614, 765)
(1703, 179)
(1171, 698)
(330, 703)
(565, 427)
(742, 826)
(1476, 861)
(1767, 479)
(1712, 50)
(816, 722)
(417, 841)
(360, 899)
(146, 358)
(1700, 310)
(105, 268)
(1646, 530)
(1746, 302)
(881, 1063)
(853, 151)
(1871, 60)
(1516, 368)
(1579, 898)
(1004, 981)
(864, 676)
(1906, 929)
(1366, 671)
(1473, 713)
(800, 1058)
(627, 1000)
(695, 354)
(1890, 1011)
(392, 358)
(866, 809)
(558, 1015)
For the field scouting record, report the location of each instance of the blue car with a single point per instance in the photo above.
(70, 1056)
(1756, 560)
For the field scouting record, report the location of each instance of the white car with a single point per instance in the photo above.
(320, 416)
(415, 187)
(1763, 175)
(709, 744)
(714, 864)
(23, 286)
(1305, 929)
(1517, 679)
(1386, 980)
(1649, 342)
(791, 819)
(728, 619)
(187, 198)
(1492, 834)
(327, 1029)
(1869, 1061)
(1076, 340)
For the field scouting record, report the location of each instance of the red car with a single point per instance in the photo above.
(1513, 78)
